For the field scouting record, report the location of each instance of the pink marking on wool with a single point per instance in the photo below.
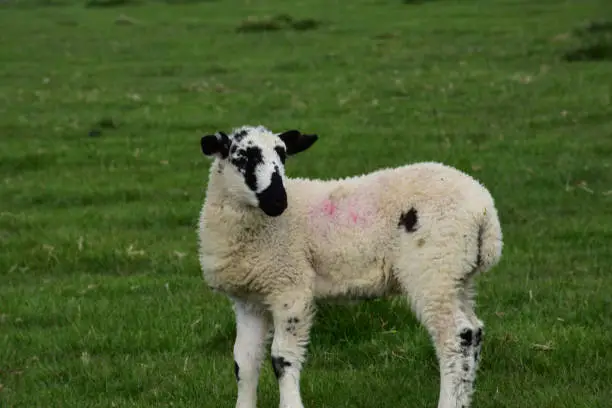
(329, 207)
(356, 210)
(331, 215)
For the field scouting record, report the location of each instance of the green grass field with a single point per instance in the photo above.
(102, 106)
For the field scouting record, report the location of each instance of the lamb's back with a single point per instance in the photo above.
(352, 226)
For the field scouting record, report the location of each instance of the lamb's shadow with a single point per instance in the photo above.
(343, 329)
(358, 322)
(222, 341)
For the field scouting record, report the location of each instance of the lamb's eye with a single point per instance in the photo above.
(281, 153)
(240, 161)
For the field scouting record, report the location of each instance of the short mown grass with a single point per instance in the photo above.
(102, 105)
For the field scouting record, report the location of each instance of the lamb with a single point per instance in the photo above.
(276, 245)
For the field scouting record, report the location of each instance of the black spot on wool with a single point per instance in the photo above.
(478, 337)
(279, 364)
(466, 337)
(291, 328)
(409, 220)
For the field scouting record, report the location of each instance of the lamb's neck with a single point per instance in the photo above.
(222, 210)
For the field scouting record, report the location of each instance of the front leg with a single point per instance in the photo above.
(292, 317)
(252, 327)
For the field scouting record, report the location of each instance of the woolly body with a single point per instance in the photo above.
(342, 238)
(422, 230)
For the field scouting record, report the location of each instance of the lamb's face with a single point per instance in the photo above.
(254, 169)
(252, 163)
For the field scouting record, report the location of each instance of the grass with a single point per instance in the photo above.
(101, 179)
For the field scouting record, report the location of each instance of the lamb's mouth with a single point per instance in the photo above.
(273, 200)
(273, 211)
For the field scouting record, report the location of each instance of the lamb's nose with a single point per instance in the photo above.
(273, 200)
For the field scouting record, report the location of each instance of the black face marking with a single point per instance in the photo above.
(273, 200)
(240, 135)
(254, 158)
(466, 367)
(236, 371)
(282, 154)
(247, 160)
(409, 220)
(294, 320)
(466, 337)
(278, 365)
(479, 254)
(240, 160)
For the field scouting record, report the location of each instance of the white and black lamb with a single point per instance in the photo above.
(275, 245)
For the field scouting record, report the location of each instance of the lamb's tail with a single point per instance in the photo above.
(490, 240)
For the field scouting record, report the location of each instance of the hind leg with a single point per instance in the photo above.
(447, 312)
(467, 303)
(458, 354)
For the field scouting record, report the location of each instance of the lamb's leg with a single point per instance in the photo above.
(458, 353)
(456, 333)
(467, 305)
(292, 317)
(252, 327)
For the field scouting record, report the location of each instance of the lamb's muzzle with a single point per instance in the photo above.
(273, 200)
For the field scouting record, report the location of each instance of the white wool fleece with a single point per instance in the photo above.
(361, 236)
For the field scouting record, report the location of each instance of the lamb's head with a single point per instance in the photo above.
(251, 163)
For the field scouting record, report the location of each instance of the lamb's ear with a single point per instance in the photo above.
(215, 145)
(297, 142)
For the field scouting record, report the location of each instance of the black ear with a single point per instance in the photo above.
(297, 142)
(215, 145)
